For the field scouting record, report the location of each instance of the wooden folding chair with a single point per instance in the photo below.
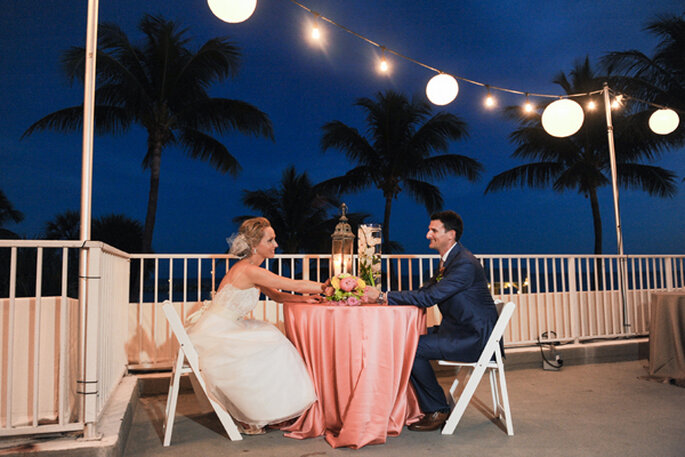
(187, 362)
(498, 387)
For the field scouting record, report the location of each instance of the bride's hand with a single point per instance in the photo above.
(314, 299)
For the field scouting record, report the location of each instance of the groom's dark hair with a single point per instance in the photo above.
(451, 221)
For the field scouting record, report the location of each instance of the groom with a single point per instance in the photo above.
(468, 315)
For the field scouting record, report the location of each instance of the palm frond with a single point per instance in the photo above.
(425, 193)
(204, 147)
(539, 174)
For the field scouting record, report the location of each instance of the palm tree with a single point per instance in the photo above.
(117, 230)
(397, 154)
(162, 85)
(581, 162)
(8, 213)
(298, 212)
(659, 79)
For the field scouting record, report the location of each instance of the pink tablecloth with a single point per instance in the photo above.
(360, 359)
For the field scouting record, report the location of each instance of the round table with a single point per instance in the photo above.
(360, 360)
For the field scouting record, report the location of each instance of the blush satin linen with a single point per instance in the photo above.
(360, 360)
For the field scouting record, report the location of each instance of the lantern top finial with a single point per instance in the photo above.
(343, 229)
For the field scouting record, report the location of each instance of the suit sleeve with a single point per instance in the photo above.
(457, 278)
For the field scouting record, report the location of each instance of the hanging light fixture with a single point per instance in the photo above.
(442, 89)
(233, 11)
(562, 118)
(664, 121)
(383, 66)
(489, 99)
(528, 106)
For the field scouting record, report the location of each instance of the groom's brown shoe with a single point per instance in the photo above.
(431, 421)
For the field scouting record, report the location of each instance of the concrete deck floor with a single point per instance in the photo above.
(605, 409)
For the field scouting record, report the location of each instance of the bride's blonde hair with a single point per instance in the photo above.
(250, 234)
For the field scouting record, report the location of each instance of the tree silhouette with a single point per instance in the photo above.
(162, 85)
(581, 162)
(396, 154)
(299, 212)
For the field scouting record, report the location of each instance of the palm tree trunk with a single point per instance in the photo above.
(597, 221)
(386, 225)
(156, 154)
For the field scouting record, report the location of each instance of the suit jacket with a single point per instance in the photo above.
(468, 310)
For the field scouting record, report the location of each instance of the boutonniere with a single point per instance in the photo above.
(438, 278)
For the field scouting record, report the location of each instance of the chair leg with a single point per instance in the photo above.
(505, 403)
(464, 399)
(226, 421)
(172, 397)
(494, 390)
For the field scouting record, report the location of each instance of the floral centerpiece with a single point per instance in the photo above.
(345, 290)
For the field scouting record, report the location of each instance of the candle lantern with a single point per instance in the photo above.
(343, 246)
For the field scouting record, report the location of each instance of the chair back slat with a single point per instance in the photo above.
(181, 334)
(497, 332)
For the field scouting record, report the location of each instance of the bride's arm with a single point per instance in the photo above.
(264, 279)
(283, 297)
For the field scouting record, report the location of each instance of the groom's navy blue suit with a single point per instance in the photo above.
(468, 317)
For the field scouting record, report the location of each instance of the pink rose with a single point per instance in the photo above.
(353, 301)
(329, 291)
(348, 283)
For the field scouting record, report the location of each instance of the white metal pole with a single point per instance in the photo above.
(86, 193)
(617, 212)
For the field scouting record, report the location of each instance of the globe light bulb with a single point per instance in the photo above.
(384, 66)
(442, 89)
(528, 107)
(232, 11)
(489, 101)
(316, 33)
(562, 118)
(664, 121)
(591, 105)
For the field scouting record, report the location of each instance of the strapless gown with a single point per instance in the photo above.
(249, 366)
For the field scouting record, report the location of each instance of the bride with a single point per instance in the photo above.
(248, 365)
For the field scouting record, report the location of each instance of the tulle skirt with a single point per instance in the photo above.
(252, 369)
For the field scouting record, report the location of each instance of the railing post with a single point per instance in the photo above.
(305, 267)
(89, 384)
(573, 299)
(668, 272)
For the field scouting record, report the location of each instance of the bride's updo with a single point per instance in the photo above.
(250, 234)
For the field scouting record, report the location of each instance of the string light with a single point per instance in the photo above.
(664, 121)
(618, 102)
(316, 32)
(232, 11)
(489, 99)
(443, 88)
(383, 65)
(528, 106)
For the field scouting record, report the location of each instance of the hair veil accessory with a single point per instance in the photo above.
(238, 245)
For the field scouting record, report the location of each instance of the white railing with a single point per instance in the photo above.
(59, 364)
(45, 338)
(559, 298)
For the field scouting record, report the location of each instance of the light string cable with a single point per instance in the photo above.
(467, 80)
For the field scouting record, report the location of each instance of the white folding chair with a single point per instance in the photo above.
(500, 397)
(187, 353)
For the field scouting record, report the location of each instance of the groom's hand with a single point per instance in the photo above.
(370, 295)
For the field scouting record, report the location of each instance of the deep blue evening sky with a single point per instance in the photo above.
(302, 87)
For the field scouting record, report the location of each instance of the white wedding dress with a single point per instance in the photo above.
(249, 366)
